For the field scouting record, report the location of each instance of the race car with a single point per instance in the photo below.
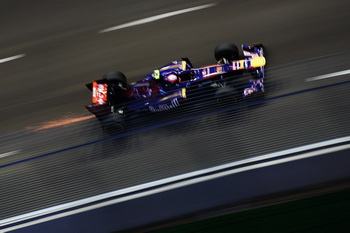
(178, 83)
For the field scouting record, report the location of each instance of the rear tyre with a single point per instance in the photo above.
(116, 77)
(226, 52)
(117, 86)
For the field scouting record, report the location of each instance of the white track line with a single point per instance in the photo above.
(201, 178)
(9, 154)
(344, 72)
(11, 58)
(177, 185)
(173, 186)
(157, 17)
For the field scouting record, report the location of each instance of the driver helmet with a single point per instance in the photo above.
(172, 78)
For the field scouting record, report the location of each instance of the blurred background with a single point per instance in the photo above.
(62, 46)
(64, 49)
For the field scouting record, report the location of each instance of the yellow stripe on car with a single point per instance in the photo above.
(258, 62)
(183, 93)
(184, 65)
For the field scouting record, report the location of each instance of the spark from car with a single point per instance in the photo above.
(67, 120)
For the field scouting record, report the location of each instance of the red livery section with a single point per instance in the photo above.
(99, 93)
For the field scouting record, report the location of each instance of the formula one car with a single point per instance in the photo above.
(176, 84)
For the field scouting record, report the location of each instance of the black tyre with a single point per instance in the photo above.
(226, 51)
(114, 128)
(113, 123)
(117, 86)
(116, 77)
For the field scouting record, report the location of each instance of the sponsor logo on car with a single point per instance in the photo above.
(99, 93)
(165, 107)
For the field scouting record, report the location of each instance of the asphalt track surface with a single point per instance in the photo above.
(64, 49)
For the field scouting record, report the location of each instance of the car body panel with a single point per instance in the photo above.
(166, 88)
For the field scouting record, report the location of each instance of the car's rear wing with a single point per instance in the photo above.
(99, 105)
(99, 90)
(90, 85)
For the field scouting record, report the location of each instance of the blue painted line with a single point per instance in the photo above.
(176, 121)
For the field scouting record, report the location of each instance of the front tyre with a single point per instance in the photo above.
(226, 52)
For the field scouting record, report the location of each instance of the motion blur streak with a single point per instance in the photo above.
(157, 17)
(11, 58)
(8, 154)
(344, 72)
